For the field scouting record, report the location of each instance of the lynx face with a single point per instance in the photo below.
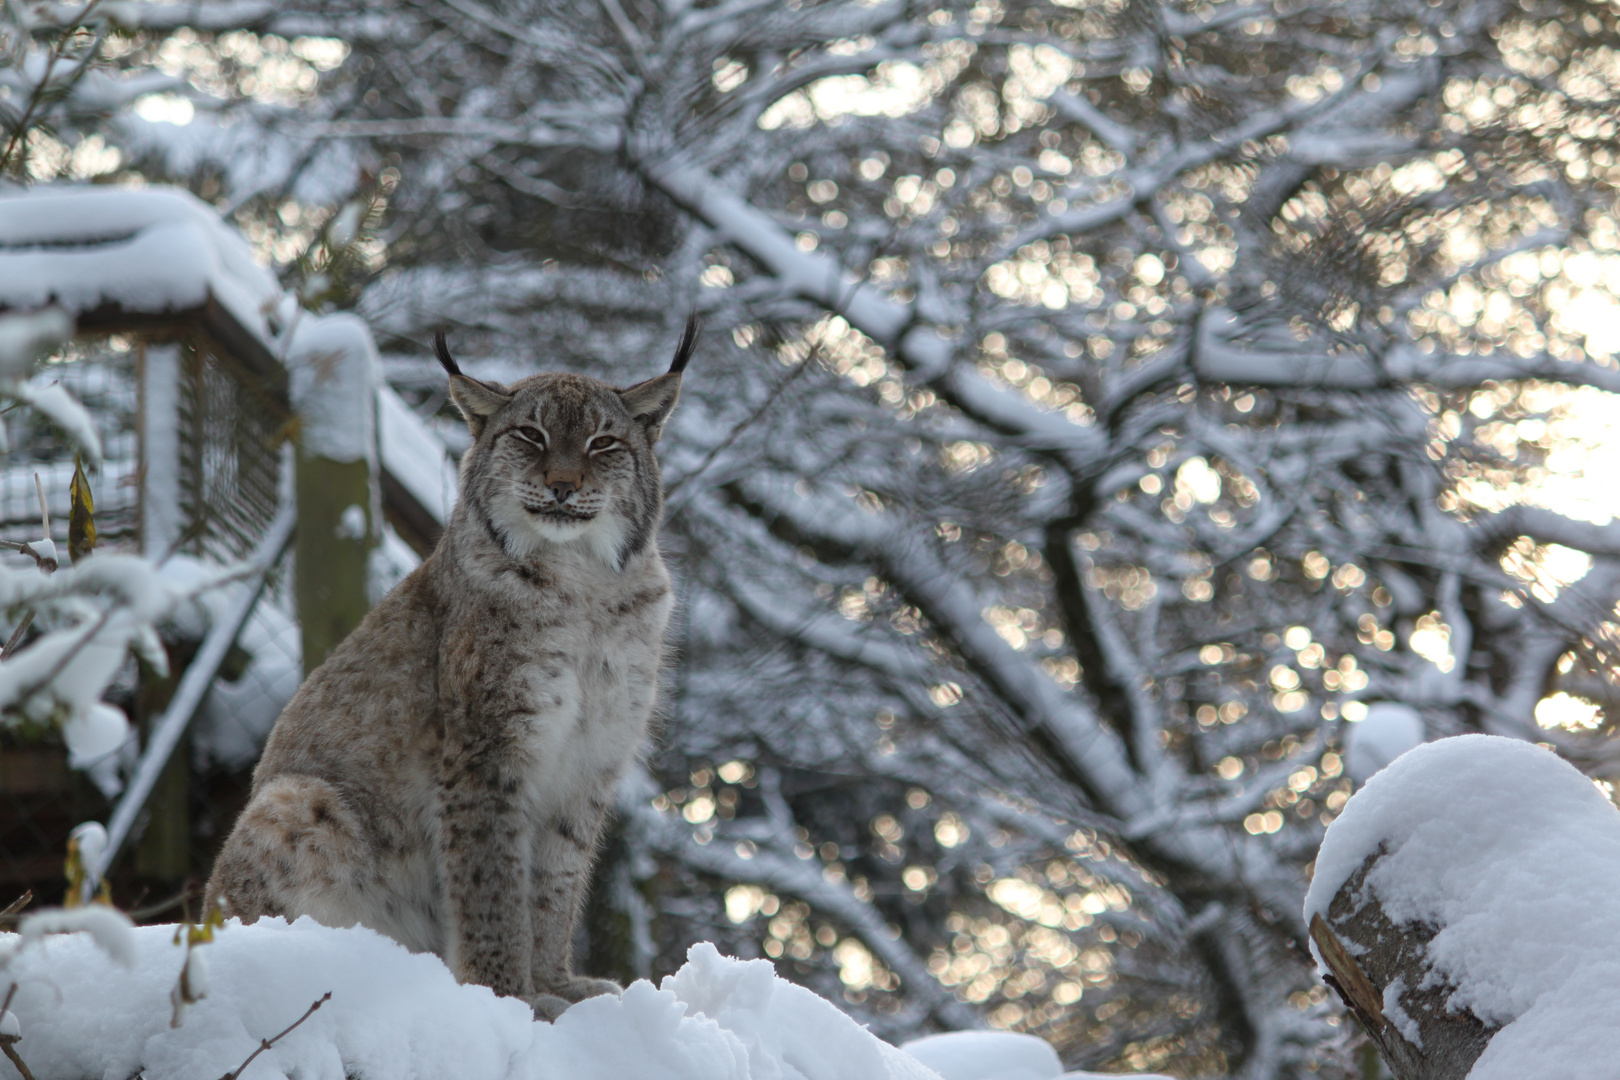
(566, 459)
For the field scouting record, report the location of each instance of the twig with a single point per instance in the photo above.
(265, 1044)
(811, 355)
(10, 1051)
(20, 132)
(16, 636)
(182, 899)
(78, 647)
(46, 564)
(752, 418)
(10, 911)
(6, 1041)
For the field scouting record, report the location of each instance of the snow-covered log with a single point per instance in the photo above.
(1380, 970)
(1465, 907)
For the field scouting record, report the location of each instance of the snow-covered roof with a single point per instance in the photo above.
(413, 454)
(132, 253)
(144, 250)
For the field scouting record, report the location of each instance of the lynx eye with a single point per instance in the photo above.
(529, 434)
(604, 442)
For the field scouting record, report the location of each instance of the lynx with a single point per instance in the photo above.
(443, 777)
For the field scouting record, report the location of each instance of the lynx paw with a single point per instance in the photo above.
(550, 1005)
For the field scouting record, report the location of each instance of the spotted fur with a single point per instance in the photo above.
(444, 776)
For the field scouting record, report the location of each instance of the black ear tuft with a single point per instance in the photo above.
(442, 350)
(683, 351)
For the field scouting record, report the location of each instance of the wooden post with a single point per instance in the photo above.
(333, 384)
(330, 551)
(164, 849)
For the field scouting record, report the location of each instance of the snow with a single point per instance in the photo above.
(107, 929)
(63, 673)
(79, 248)
(819, 276)
(1516, 856)
(402, 1016)
(236, 717)
(346, 225)
(45, 550)
(88, 841)
(47, 397)
(93, 734)
(150, 249)
(974, 1055)
(100, 1005)
(785, 1029)
(1388, 730)
(414, 455)
(994, 1055)
(388, 564)
(194, 684)
(352, 523)
(162, 522)
(194, 976)
(25, 338)
(333, 372)
(1396, 1014)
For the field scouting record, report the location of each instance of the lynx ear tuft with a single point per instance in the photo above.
(441, 349)
(683, 351)
(652, 401)
(478, 401)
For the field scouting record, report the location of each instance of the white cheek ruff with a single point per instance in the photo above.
(524, 534)
(606, 538)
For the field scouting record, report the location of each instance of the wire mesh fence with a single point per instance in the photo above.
(231, 429)
(192, 443)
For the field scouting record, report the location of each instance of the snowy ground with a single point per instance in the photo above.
(400, 1016)
(1516, 857)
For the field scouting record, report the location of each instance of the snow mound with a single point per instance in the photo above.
(1388, 730)
(1516, 856)
(995, 1055)
(401, 1016)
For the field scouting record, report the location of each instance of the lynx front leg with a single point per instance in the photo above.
(484, 848)
(564, 852)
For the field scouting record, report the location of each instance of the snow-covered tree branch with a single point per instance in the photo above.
(1103, 406)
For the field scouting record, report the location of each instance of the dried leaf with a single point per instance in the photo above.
(81, 519)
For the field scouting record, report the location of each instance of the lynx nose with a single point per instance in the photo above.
(561, 489)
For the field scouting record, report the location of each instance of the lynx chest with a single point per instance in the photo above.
(587, 682)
